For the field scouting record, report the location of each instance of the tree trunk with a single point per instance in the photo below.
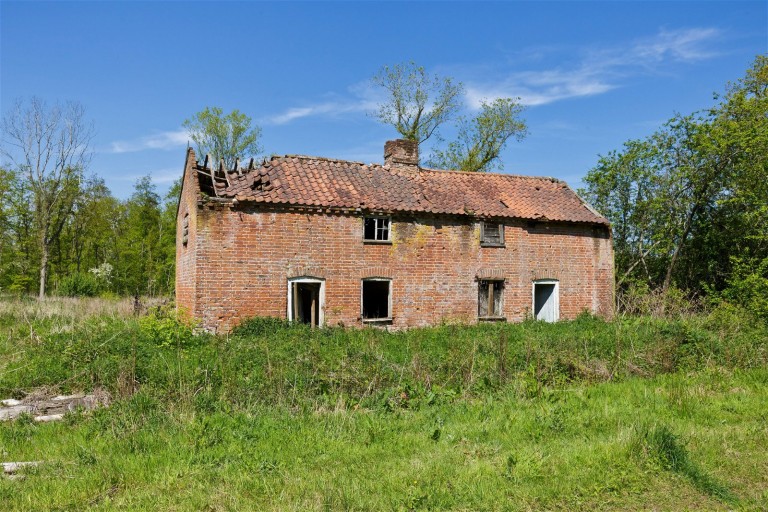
(45, 249)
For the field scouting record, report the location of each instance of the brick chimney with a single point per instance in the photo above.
(402, 153)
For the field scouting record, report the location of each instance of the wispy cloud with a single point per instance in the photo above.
(688, 45)
(161, 140)
(361, 97)
(595, 71)
(330, 108)
(541, 87)
(599, 70)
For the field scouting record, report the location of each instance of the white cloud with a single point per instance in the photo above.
(162, 140)
(362, 97)
(539, 88)
(331, 108)
(680, 45)
(600, 70)
(597, 71)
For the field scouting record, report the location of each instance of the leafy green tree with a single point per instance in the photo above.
(689, 204)
(417, 103)
(224, 137)
(88, 239)
(139, 240)
(481, 139)
(50, 149)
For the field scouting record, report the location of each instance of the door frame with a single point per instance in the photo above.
(320, 299)
(555, 292)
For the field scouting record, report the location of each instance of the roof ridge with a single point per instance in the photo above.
(323, 158)
(427, 169)
(500, 174)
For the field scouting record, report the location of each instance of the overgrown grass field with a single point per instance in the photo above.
(635, 414)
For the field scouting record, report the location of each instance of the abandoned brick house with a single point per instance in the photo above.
(334, 242)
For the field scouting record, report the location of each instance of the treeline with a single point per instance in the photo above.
(689, 203)
(99, 244)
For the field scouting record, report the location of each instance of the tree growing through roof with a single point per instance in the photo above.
(224, 137)
(50, 149)
(481, 139)
(417, 103)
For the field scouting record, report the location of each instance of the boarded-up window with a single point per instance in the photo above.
(489, 299)
(376, 229)
(492, 233)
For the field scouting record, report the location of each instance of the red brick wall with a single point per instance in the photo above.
(186, 272)
(245, 256)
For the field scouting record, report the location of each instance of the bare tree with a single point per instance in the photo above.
(50, 149)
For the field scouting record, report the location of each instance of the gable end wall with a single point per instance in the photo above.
(186, 256)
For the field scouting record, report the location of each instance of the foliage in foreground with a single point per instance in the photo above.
(268, 362)
(638, 413)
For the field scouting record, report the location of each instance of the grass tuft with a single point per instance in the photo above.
(660, 445)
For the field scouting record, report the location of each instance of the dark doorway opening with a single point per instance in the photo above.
(306, 303)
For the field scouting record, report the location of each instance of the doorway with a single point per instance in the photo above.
(546, 303)
(306, 301)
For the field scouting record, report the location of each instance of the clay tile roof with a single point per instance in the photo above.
(314, 181)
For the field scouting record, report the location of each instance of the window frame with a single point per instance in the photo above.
(376, 228)
(491, 282)
(320, 299)
(389, 318)
(484, 242)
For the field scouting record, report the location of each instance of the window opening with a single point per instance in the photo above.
(376, 229)
(185, 230)
(490, 294)
(492, 233)
(376, 298)
(546, 304)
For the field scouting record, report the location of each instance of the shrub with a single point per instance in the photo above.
(163, 327)
(748, 286)
(80, 284)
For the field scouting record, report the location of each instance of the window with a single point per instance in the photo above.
(491, 234)
(376, 300)
(489, 298)
(376, 229)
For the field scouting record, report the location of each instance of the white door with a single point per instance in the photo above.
(546, 305)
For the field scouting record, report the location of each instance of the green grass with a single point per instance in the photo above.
(637, 414)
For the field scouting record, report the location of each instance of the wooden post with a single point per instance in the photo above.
(312, 309)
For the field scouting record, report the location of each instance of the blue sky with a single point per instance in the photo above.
(593, 74)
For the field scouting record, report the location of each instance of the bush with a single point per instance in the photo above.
(80, 284)
(748, 286)
(259, 326)
(163, 327)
